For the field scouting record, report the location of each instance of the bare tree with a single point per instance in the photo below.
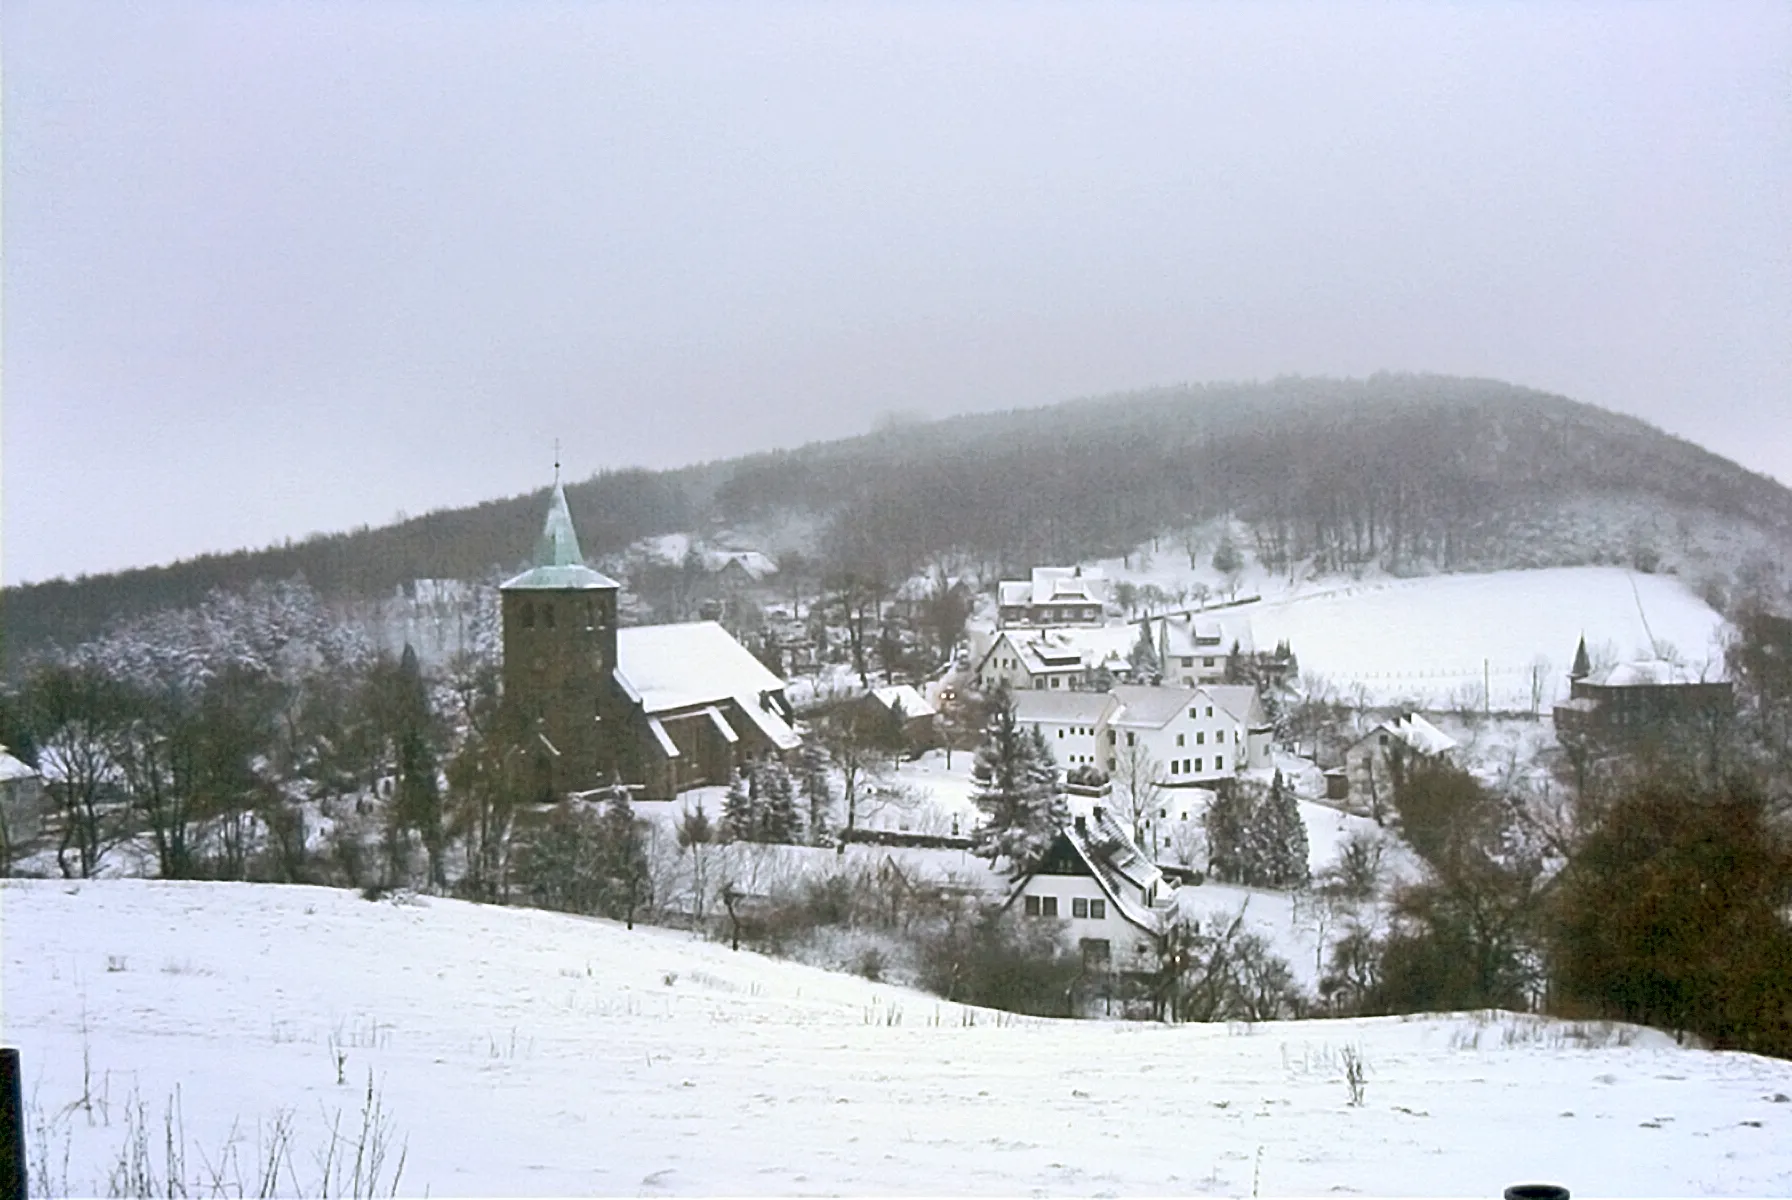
(1138, 792)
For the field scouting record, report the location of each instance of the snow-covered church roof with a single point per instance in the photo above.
(559, 565)
(672, 667)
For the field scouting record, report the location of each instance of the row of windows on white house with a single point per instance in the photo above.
(1080, 908)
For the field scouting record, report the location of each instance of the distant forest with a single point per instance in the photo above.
(1413, 473)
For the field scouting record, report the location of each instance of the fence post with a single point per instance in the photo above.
(12, 1126)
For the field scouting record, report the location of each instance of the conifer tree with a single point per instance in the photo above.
(776, 818)
(1017, 791)
(817, 788)
(624, 870)
(740, 811)
(1144, 654)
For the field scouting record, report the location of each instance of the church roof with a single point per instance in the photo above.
(559, 565)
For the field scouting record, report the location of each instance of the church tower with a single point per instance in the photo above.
(559, 652)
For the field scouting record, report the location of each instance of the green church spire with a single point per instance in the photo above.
(559, 542)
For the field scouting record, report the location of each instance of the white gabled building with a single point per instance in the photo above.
(1371, 761)
(1197, 648)
(1198, 736)
(1053, 596)
(1108, 893)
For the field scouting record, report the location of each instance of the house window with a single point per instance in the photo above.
(1207, 661)
(1188, 661)
(1112, 737)
(1175, 767)
(1048, 906)
(1056, 682)
(1098, 910)
(1060, 733)
(1032, 906)
(1210, 710)
(1097, 954)
(1079, 907)
(1219, 762)
(1201, 737)
(1162, 813)
(1129, 738)
(1179, 738)
(1197, 766)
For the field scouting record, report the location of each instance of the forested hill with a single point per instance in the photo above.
(1413, 473)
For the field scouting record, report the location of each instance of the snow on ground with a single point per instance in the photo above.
(524, 1053)
(1426, 642)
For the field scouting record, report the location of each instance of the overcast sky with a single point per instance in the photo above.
(273, 269)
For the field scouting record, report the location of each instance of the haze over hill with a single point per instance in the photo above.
(1408, 474)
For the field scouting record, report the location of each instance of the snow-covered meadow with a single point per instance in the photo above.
(521, 1052)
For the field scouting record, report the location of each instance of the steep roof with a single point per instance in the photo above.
(913, 703)
(1239, 699)
(559, 565)
(1417, 733)
(1112, 859)
(12, 768)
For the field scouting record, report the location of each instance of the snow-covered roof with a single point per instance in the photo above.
(11, 768)
(1654, 672)
(1056, 585)
(1082, 708)
(1104, 844)
(1238, 699)
(1209, 633)
(1072, 649)
(559, 565)
(698, 662)
(912, 703)
(671, 667)
(755, 564)
(1416, 732)
(1144, 707)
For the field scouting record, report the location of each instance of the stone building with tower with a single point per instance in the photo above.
(663, 708)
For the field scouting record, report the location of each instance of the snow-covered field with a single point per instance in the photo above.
(519, 1052)
(1431, 640)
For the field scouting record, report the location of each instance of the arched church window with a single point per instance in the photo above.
(526, 615)
(547, 613)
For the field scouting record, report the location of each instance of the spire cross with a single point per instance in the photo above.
(556, 462)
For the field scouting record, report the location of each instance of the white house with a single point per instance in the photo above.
(1197, 736)
(1053, 596)
(1073, 724)
(1054, 660)
(1108, 893)
(21, 801)
(1371, 761)
(1197, 648)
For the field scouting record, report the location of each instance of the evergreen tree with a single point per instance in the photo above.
(1017, 791)
(1226, 558)
(1256, 838)
(1284, 838)
(740, 811)
(1144, 654)
(776, 818)
(817, 787)
(623, 886)
(418, 802)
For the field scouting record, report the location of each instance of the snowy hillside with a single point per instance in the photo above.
(1434, 642)
(520, 1052)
